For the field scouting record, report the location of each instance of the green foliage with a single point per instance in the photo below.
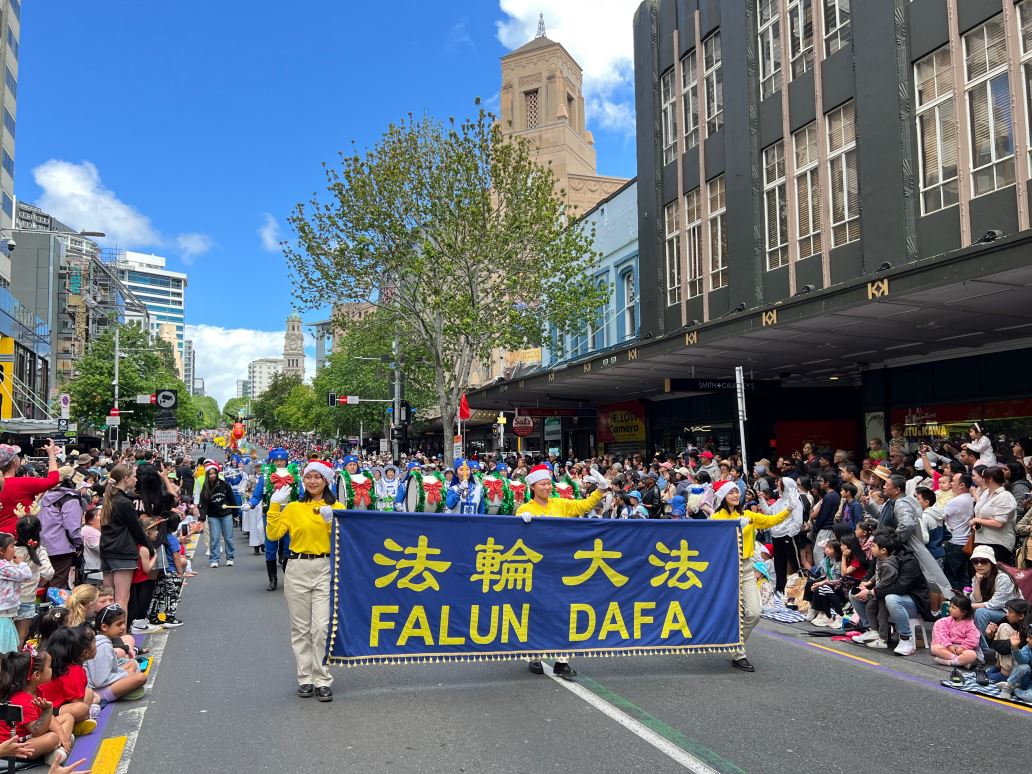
(265, 409)
(457, 237)
(208, 408)
(144, 368)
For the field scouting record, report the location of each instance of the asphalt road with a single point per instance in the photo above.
(224, 695)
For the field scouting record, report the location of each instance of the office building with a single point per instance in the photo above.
(10, 34)
(161, 290)
(328, 332)
(189, 364)
(243, 388)
(260, 373)
(838, 203)
(198, 387)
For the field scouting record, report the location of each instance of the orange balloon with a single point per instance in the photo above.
(238, 430)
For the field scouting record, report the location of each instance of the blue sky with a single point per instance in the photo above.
(191, 129)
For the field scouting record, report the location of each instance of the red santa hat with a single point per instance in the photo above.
(538, 473)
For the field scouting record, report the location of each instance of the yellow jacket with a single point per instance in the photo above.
(557, 506)
(309, 533)
(756, 521)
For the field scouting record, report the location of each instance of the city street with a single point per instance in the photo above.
(224, 693)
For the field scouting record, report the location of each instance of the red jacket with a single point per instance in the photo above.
(22, 489)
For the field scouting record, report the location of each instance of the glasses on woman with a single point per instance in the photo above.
(979, 561)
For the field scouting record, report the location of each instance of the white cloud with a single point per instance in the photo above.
(75, 195)
(599, 35)
(459, 37)
(269, 232)
(223, 355)
(192, 245)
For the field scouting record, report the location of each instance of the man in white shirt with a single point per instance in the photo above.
(959, 510)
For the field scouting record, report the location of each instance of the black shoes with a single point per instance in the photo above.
(270, 567)
(324, 693)
(743, 664)
(306, 691)
(981, 677)
(956, 677)
(564, 671)
(536, 668)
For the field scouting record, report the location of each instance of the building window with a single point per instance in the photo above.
(769, 48)
(690, 100)
(989, 108)
(9, 124)
(845, 199)
(16, 7)
(776, 211)
(8, 205)
(669, 116)
(673, 254)
(630, 304)
(714, 77)
(693, 238)
(8, 163)
(531, 107)
(936, 130)
(800, 23)
(836, 25)
(717, 232)
(1025, 19)
(12, 42)
(10, 82)
(598, 333)
(808, 191)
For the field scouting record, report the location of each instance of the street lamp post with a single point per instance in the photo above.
(117, 358)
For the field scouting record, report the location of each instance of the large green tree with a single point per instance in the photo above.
(145, 366)
(458, 238)
(233, 409)
(265, 408)
(208, 414)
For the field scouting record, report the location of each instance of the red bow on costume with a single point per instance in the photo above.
(517, 490)
(362, 492)
(493, 486)
(281, 480)
(433, 491)
(565, 492)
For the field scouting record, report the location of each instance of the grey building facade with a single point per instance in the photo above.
(793, 145)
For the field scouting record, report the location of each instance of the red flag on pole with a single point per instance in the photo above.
(464, 410)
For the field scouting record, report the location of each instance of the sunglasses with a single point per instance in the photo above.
(979, 561)
(110, 613)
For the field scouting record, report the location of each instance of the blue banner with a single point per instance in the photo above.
(410, 587)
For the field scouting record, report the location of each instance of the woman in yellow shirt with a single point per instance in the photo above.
(543, 504)
(306, 583)
(728, 504)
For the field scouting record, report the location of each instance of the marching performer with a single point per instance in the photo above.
(543, 504)
(466, 494)
(420, 492)
(277, 474)
(355, 487)
(728, 504)
(498, 497)
(387, 488)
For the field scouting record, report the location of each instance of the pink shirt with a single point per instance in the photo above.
(949, 631)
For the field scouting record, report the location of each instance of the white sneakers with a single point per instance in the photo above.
(142, 626)
(820, 620)
(811, 614)
(869, 636)
(906, 647)
(878, 643)
(229, 563)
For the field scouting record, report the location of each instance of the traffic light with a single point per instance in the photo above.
(331, 399)
(406, 413)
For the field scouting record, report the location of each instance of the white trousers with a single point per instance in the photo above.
(751, 604)
(307, 589)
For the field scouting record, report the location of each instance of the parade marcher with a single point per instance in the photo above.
(355, 487)
(307, 580)
(728, 504)
(543, 504)
(387, 488)
(466, 494)
(421, 491)
(497, 496)
(278, 474)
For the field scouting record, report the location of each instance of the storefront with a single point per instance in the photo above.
(621, 428)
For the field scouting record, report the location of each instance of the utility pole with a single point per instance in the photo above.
(396, 352)
(117, 358)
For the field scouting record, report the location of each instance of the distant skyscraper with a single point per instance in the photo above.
(189, 364)
(243, 388)
(161, 290)
(10, 33)
(294, 347)
(260, 373)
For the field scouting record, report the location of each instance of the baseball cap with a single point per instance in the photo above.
(708, 455)
(677, 506)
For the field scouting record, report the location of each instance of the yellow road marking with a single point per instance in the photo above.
(846, 655)
(109, 755)
(1004, 703)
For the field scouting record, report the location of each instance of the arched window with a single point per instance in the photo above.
(629, 297)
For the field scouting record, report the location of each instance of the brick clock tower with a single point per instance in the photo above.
(294, 348)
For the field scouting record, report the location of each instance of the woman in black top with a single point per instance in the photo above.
(217, 502)
(121, 535)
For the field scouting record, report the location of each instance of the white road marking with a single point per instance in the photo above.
(134, 719)
(661, 743)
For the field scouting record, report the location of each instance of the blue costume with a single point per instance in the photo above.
(262, 494)
(466, 495)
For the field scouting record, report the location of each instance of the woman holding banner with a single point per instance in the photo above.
(543, 504)
(728, 504)
(307, 578)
